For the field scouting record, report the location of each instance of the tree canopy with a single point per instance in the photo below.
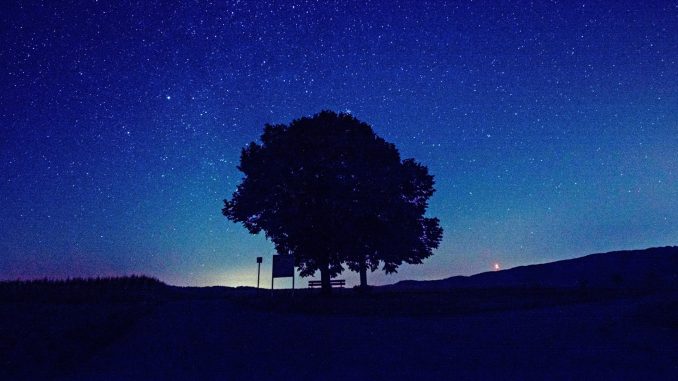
(331, 192)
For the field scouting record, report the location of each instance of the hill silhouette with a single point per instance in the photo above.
(649, 268)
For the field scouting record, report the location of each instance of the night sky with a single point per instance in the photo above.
(551, 127)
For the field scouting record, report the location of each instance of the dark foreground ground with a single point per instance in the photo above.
(233, 334)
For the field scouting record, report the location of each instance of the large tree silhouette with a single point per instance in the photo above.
(330, 191)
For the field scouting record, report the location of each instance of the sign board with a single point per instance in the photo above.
(260, 259)
(283, 266)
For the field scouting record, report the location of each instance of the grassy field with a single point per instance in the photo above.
(141, 329)
(47, 327)
(422, 303)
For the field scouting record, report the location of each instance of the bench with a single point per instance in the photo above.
(333, 282)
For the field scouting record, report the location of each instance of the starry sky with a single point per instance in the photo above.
(551, 126)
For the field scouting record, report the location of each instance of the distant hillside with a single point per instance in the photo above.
(649, 268)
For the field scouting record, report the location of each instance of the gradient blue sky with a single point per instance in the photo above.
(551, 126)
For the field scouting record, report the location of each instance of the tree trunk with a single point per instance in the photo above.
(363, 276)
(326, 288)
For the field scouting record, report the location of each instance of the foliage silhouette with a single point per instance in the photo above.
(83, 290)
(331, 192)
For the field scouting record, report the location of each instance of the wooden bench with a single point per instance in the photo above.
(333, 282)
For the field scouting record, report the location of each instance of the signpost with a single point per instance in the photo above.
(283, 267)
(259, 260)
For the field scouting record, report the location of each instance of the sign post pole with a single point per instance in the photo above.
(259, 260)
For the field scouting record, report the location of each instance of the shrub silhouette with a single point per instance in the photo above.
(79, 290)
(330, 191)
